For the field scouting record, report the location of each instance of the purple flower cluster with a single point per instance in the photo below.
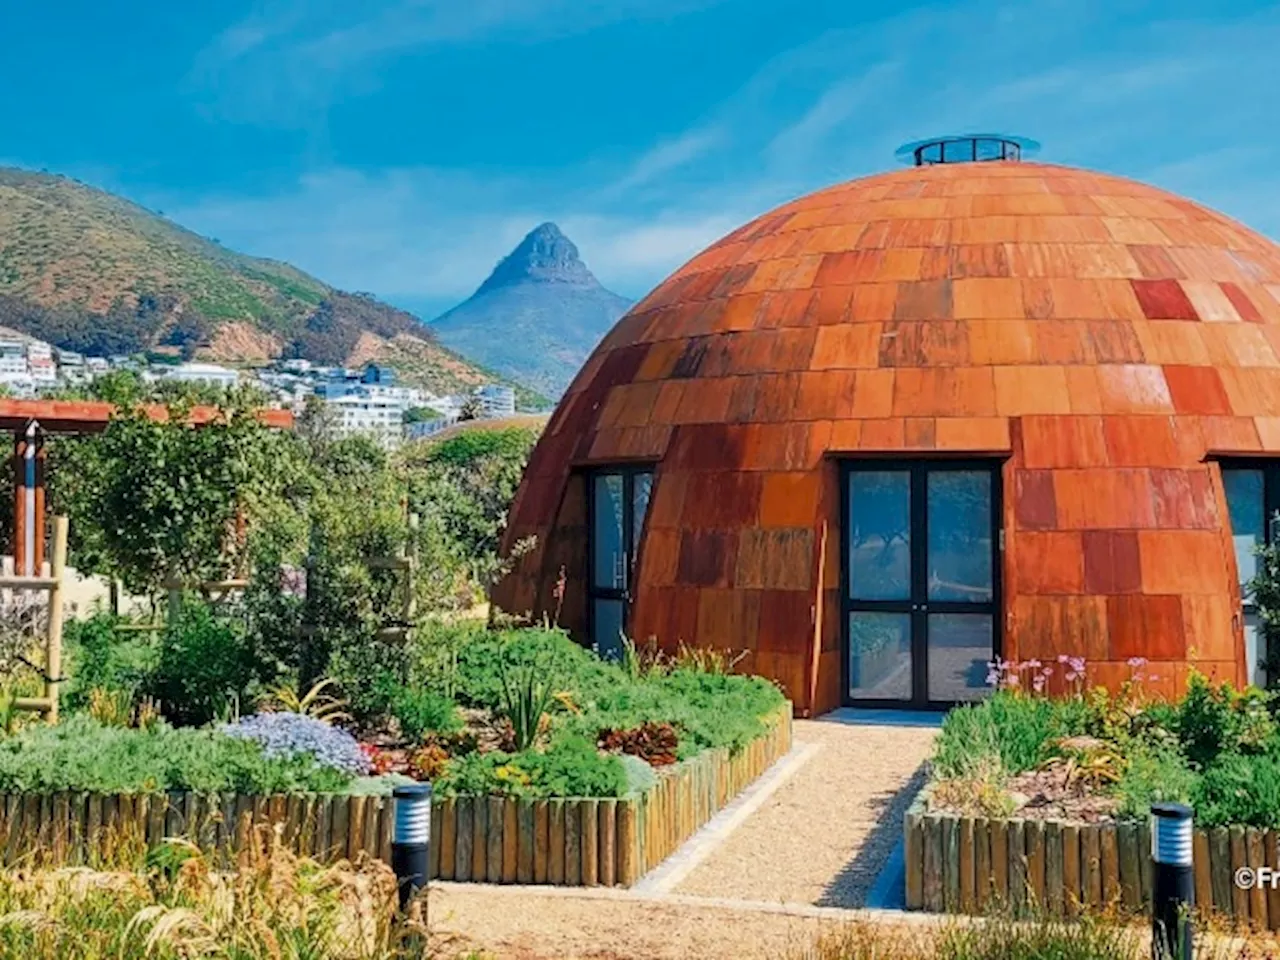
(290, 734)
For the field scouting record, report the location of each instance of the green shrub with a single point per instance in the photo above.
(1213, 720)
(421, 712)
(1239, 789)
(481, 660)
(466, 448)
(1155, 772)
(98, 656)
(206, 667)
(437, 645)
(81, 755)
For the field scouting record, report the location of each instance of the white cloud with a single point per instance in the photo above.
(290, 58)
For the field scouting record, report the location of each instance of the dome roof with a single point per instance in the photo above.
(1093, 330)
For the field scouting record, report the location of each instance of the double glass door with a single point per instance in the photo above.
(618, 499)
(921, 585)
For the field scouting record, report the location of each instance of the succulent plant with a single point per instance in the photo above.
(283, 734)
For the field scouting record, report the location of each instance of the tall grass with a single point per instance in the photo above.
(272, 905)
(1091, 938)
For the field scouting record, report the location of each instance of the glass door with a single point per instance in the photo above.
(618, 500)
(921, 590)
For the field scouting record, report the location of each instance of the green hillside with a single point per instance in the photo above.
(93, 272)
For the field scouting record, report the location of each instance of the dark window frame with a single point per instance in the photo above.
(918, 605)
(632, 543)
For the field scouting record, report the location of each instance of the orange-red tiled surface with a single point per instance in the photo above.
(1104, 335)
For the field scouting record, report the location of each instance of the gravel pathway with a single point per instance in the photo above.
(513, 923)
(824, 835)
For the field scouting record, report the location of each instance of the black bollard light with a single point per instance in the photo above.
(412, 839)
(1173, 890)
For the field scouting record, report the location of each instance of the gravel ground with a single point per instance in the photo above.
(824, 835)
(514, 924)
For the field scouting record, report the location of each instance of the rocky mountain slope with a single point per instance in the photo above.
(537, 317)
(90, 271)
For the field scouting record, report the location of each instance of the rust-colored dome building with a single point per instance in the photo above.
(901, 425)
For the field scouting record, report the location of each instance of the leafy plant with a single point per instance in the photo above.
(100, 656)
(654, 743)
(528, 693)
(571, 766)
(315, 703)
(206, 667)
(1212, 720)
(153, 500)
(422, 712)
(293, 734)
(115, 708)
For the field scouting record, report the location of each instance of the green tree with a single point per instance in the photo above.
(157, 500)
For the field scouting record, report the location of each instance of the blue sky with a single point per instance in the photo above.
(403, 146)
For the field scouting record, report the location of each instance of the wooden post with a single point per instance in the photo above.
(28, 501)
(53, 653)
(411, 567)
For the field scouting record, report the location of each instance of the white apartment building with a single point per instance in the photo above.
(497, 400)
(209, 373)
(381, 417)
(42, 370)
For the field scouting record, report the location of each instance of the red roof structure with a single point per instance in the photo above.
(88, 416)
(893, 429)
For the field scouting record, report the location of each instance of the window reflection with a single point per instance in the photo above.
(609, 562)
(880, 535)
(1245, 504)
(880, 656)
(959, 507)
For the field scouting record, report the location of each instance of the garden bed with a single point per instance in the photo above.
(574, 842)
(1039, 801)
(539, 754)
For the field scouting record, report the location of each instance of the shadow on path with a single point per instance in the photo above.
(849, 888)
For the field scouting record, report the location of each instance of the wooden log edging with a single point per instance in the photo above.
(564, 841)
(1062, 867)
(574, 841)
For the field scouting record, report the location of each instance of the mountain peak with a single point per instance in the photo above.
(545, 255)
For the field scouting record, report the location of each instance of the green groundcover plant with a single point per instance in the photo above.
(1216, 748)
(81, 754)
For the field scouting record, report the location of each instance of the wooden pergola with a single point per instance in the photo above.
(30, 421)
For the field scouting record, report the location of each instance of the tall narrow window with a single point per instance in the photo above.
(1253, 500)
(618, 504)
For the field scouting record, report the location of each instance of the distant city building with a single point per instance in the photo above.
(296, 366)
(381, 417)
(373, 373)
(497, 400)
(209, 373)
